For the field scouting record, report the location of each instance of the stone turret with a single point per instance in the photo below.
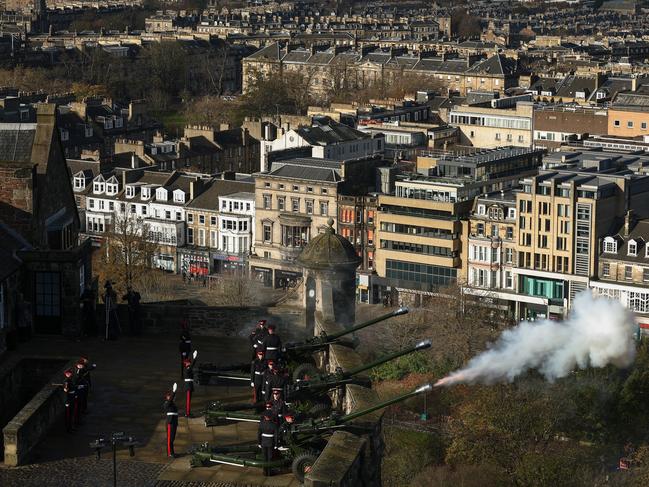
(330, 263)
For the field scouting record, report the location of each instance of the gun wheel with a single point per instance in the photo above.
(319, 409)
(304, 372)
(302, 465)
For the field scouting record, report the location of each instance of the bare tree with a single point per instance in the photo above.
(128, 249)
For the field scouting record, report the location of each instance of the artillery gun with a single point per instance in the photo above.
(306, 394)
(298, 356)
(301, 443)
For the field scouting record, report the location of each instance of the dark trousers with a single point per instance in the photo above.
(268, 457)
(69, 414)
(112, 327)
(171, 436)
(258, 392)
(134, 321)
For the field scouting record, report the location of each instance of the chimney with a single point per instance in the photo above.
(224, 126)
(195, 188)
(634, 83)
(628, 222)
(244, 137)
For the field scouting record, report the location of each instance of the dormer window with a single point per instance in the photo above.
(65, 134)
(98, 188)
(481, 209)
(646, 251)
(610, 245)
(111, 188)
(179, 196)
(130, 191)
(145, 193)
(79, 183)
(632, 248)
(161, 194)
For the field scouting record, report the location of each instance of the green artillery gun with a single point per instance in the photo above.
(301, 443)
(299, 355)
(306, 395)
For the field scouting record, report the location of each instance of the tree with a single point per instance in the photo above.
(464, 24)
(128, 250)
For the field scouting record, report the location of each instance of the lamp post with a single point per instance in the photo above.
(115, 439)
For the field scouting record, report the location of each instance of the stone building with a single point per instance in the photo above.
(38, 211)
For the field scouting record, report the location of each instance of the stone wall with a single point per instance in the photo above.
(348, 460)
(33, 421)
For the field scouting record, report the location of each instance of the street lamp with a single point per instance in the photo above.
(115, 439)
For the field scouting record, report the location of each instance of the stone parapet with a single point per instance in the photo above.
(348, 460)
(33, 421)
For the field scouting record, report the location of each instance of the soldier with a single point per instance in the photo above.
(133, 299)
(189, 382)
(88, 367)
(70, 394)
(272, 344)
(81, 382)
(267, 438)
(172, 419)
(273, 380)
(257, 337)
(112, 320)
(89, 302)
(185, 346)
(257, 369)
(278, 406)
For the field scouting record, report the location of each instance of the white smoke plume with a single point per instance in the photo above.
(598, 332)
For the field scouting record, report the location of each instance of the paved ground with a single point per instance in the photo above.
(128, 386)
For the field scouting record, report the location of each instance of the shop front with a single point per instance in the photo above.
(286, 279)
(194, 262)
(232, 265)
(262, 274)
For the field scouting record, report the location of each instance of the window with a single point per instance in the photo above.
(179, 216)
(168, 215)
(190, 236)
(309, 207)
(645, 275)
(509, 256)
(509, 233)
(212, 220)
(497, 136)
(201, 219)
(323, 190)
(632, 248)
(267, 185)
(91, 203)
(610, 245)
(494, 230)
(130, 191)
(509, 280)
(309, 189)
(280, 203)
(143, 209)
(629, 124)
(296, 188)
(521, 139)
(616, 123)
(295, 204)
(480, 229)
(324, 208)
(268, 233)
(628, 272)
(133, 209)
(267, 202)
(643, 125)
(481, 209)
(190, 218)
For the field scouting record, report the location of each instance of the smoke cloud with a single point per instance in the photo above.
(598, 332)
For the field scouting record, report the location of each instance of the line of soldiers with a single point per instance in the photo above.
(187, 362)
(76, 386)
(268, 378)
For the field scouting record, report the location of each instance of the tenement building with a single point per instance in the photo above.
(293, 203)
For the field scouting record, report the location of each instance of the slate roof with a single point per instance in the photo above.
(326, 131)
(309, 172)
(16, 141)
(497, 65)
(10, 242)
(208, 199)
(639, 232)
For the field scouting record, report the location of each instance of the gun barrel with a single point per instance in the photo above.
(381, 405)
(364, 324)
